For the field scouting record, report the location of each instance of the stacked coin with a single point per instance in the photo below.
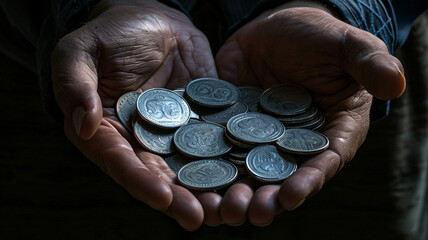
(212, 132)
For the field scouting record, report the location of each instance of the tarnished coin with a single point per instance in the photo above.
(303, 141)
(251, 96)
(126, 108)
(176, 162)
(208, 174)
(154, 139)
(163, 108)
(255, 128)
(285, 100)
(202, 140)
(223, 115)
(193, 115)
(267, 164)
(314, 123)
(212, 92)
(308, 115)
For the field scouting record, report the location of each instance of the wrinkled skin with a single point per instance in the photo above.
(134, 46)
(131, 47)
(341, 66)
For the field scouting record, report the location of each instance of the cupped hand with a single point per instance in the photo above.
(131, 46)
(341, 66)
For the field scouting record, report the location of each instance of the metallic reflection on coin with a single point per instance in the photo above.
(303, 141)
(223, 115)
(251, 96)
(193, 115)
(308, 115)
(126, 107)
(255, 128)
(176, 162)
(209, 174)
(267, 164)
(285, 100)
(212, 92)
(315, 122)
(238, 143)
(163, 108)
(154, 139)
(202, 140)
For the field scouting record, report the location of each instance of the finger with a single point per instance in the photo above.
(74, 80)
(234, 206)
(368, 61)
(210, 202)
(264, 205)
(185, 208)
(114, 155)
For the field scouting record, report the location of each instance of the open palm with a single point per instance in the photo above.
(341, 66)
(130, 47)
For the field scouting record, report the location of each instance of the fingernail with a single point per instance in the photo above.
(77, 117)
(403, 78)
(297, 205)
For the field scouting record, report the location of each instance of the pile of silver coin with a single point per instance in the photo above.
(212, 132)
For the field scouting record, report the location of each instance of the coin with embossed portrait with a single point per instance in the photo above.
(223, 115)
(208, 174)
(126, 108)
(163, 108)
(251, 96)
(265, 163)
(202, 140)
(154, 139)
(303, 141)
(212, 92)
(255, 128)
(285, 100)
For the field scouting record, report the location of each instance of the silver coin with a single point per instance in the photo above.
(208, 174)
(285, 100)
(223, 115)
(315, 122)
(238, 143)
(163, 108)
(267, 164)
(212, 92)
(308, 115)
(154, 139)
(176, 162)
(251, 96)
(303, 141)
(193, 115)
(255, 128)
(238, 153)
(126, 108)
(202, 140)
(237, 162)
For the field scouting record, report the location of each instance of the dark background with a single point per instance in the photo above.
(48, 190)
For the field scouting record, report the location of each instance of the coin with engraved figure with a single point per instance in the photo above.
(265, 163)
(255, 128)
(202, 140)
(154, 139)
(163, 108)
(251, 96)
(285, 100)
(126, 107)
(223, 115)
(212, 92)
(303, 141)
(208, 174)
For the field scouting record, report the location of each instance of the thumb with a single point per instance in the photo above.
(368, 61)
(74, 80)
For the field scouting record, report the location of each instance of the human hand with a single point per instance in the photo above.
(131, 46)
(341, 66)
